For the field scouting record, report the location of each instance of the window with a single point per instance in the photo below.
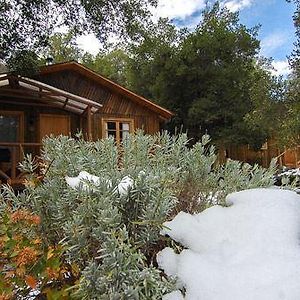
(11, 131)
(11, 126)
(117, 128)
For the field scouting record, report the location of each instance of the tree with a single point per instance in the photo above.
(28, 24)
(219, 60)
(290, 122)
(294, 59)
(290, 126)
(268, 95)
(112, 64)
(152, 57)
(204, 76)
(63, 47)
(24, 62)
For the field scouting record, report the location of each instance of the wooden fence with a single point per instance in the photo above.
(289, 157)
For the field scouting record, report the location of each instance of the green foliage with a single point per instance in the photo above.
(154, 61)
(113, 237)
(290, 125)
(289, 131)
(268, 98)
(113, 65)
(294, 59)
(126, 268)
(63, 47)
(199, 75)
(24, 63)
(28, 24)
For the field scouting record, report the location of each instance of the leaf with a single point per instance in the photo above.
(14, 254)
(31, 281)
(54, 262)
(50, 253)
(20, 271)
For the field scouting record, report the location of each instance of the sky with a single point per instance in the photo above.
(274, 16)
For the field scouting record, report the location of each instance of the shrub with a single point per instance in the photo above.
(111, 236)
(27, 267)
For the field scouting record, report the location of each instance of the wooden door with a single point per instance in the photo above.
(54, 125)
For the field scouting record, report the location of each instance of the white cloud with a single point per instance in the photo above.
(183, 9)
(180, 9)
(272, 42)
(281, 67)
(236, 5)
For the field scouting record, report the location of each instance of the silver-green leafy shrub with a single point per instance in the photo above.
(113, 238)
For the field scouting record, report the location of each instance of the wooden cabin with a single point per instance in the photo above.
(64, 99)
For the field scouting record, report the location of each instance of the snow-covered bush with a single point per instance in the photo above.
(289, 178)
(248, 250)
(107, 204)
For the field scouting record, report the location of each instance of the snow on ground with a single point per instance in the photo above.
(249, 250)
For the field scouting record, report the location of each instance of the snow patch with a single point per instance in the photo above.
(125, 185)
(249, 250)
(84, 178)
(290, 172)
(79, 181)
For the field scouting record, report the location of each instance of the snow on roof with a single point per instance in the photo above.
(249, 250)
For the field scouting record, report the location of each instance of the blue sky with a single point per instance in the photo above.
(277, 30)
(275, 17)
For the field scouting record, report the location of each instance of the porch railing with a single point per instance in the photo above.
(14, 154)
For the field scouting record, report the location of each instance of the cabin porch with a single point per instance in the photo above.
(30, 111)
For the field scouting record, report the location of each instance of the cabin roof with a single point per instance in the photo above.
(79, 68)
(16, 84)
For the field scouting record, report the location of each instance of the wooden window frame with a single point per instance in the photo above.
(117, 121)
(20, 114)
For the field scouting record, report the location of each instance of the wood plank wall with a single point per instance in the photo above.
(114, 105)
(285, 157)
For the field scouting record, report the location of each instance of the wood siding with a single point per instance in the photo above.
(50, 124)
(114, 105)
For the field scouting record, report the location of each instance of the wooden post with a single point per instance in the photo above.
(13, 163)
(89, 123)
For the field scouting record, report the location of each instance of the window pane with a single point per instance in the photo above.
(124, 134)
(112, 133)
(111, 125)
(124, 126)
(9, 128)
